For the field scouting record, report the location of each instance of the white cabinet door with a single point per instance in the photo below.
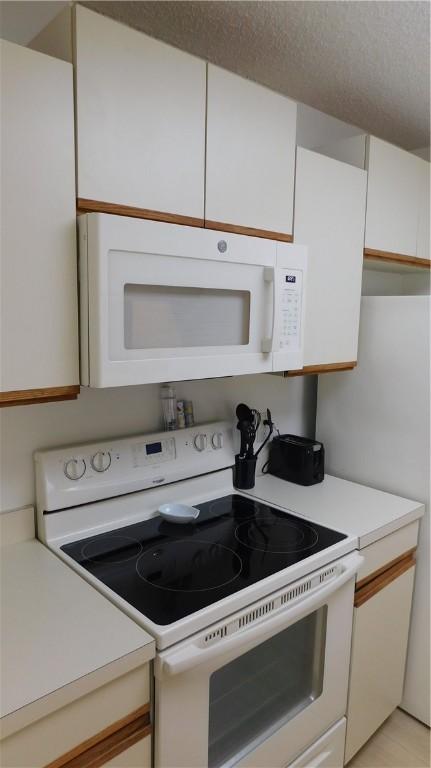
(423, 242)
(393, 198)
(39, 336)
(140, 119)
(250, 164)
(379, 647)
(330, 201)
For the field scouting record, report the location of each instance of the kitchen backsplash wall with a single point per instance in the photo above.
(133, 410)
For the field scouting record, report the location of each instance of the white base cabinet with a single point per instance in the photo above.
(381, 621)
(39, 297)
(330, 198)
(111, 724)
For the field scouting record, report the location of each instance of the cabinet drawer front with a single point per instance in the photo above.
(379, 646)
(382, 553)
(52, 737)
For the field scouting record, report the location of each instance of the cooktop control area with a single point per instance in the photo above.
(84, 473)
(168, 571)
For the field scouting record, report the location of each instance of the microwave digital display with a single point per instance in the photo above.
(153, 448)
(290, 278)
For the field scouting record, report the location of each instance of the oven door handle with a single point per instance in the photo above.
(190, 654)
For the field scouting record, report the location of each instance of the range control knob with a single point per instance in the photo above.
(101, 461)
(200, 442)
(74, 469)
(217, 440)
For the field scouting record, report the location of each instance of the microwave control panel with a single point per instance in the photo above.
(290, 288)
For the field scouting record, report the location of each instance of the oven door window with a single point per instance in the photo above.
(258, 692)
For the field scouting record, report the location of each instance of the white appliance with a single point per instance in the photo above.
(253, 670)
(165, 302)
(375, 423)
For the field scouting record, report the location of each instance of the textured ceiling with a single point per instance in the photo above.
(364, 62)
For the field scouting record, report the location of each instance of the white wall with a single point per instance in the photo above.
(315, 129)
(423, 152)
(131, 410)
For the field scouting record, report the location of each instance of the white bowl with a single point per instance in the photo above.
(178, 513)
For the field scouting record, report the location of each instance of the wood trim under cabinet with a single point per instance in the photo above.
(326, 368)
(396, 258)
(250, 231)
(384, 579)
(83, 205)
(34, 396)
(106, 744)
(371, 576)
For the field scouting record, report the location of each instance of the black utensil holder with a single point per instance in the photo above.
(244, 472)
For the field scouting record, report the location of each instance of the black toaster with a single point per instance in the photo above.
(297, 459)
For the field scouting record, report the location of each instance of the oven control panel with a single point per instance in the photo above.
(80, 474)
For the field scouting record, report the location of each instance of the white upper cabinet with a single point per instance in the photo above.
(140, 119)
(39, 330)
(330, 198)
(140, 116)
(423, 244)
(397, 215)
(393, 198)
(250, 155)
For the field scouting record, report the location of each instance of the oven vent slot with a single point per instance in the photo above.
(248, 618)
(217, 634)
(327, 574)
(299, 590)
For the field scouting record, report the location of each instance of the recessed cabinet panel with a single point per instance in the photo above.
(251, 135)
(393, 198)
(39, 337)
(140, 119)
(329, 217)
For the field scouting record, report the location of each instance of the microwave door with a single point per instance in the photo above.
(169, 317)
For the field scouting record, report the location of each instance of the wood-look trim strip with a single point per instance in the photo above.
(382, 581)
(83, 205)
(43, 395)
(108, 743)
(397, 258)
(371, 576)
(327, 368)
(250, 231)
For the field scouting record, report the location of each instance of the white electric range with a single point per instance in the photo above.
(250, 606)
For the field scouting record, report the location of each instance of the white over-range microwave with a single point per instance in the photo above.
(162, 302)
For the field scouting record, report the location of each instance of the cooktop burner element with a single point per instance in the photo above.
(171, 565)
(167, 571)
(111, 548)
(274, 534)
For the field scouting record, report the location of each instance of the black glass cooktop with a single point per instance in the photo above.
(168, 571)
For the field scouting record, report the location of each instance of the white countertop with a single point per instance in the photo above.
(348, 507)
(60, 638)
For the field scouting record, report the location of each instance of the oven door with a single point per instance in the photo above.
(259, 689)
(167, 302)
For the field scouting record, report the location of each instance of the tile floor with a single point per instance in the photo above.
(401, 742)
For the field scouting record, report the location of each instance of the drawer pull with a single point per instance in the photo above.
(106, 744)
(383, 578)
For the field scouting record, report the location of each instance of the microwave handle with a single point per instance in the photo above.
(269, 277)
(191, 655)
